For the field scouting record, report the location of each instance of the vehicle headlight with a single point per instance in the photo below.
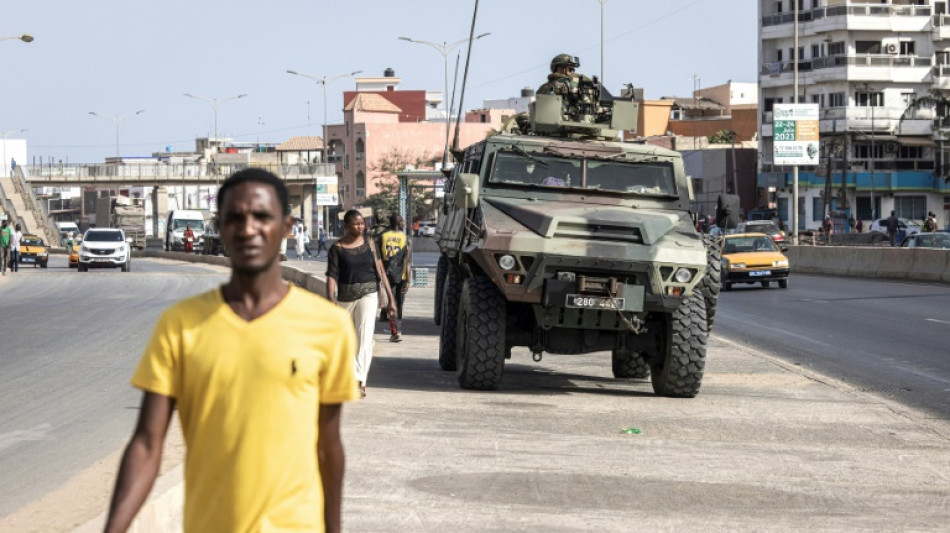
(736, 265)
(120, 248)
(683, 275)
(780, 263)
(506, 262)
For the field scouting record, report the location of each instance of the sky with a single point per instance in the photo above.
(118, 56)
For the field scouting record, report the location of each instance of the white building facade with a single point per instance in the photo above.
(880, 74)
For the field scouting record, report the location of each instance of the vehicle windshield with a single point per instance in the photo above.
(103, 236)
(196, 225)
(738, 245)
(537, 170)
(933, 240)
(31, 241)
(763, 227)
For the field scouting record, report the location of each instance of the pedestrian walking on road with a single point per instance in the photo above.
(322, 242)
(300, 240)
(15, 238)
(354, 276)
(396, 251)
(6, 236)
(189, 237)
(258, 383)
(892, 226)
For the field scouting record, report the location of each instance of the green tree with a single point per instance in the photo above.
(385, 177)
(722, 137)
(937, 101)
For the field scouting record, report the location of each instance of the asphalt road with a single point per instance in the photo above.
(69, 342)
(887, 337)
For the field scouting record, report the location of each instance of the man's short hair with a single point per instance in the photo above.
(256, 175)
(394, 220)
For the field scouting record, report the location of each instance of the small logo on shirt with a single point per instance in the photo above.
(293, 367)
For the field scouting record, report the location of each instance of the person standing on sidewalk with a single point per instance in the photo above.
(15, 238)
(257, 382)
(353, 279)
(6, 236)
(397, 264)
(892, 226)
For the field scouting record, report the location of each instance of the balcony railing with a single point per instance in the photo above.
(858, 10)
(779, 67)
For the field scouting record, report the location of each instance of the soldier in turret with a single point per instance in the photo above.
(561, 79)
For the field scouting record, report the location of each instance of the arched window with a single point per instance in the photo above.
(360, 148)
(360, 183)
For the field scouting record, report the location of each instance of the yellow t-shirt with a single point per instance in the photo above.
(248, 397)
(390, 244)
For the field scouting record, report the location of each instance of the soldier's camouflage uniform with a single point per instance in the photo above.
(557, 83)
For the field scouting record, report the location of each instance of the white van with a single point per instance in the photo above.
(64, 228)
(175, 226)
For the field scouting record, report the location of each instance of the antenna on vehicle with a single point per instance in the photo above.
(448, 118)
(468, 57)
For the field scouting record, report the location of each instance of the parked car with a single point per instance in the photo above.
(426, 229)
(105, 248)
(762, 226)
(927, 240)
(753, 258)
(910, 227)
(33, 251)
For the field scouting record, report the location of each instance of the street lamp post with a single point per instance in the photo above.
(3, 137)
(445, 49)
(214, 103)
(602, 4)
(116, 119)
(324, 81)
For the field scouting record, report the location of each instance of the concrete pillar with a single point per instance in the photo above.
(159, 211)
(308, 199)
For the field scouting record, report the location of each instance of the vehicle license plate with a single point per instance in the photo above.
(579, 301)
(28, 259)
(103, 260)
(760, 273)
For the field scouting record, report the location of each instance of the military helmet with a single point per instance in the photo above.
(561, 60)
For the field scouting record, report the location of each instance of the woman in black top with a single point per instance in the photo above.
(352, 277)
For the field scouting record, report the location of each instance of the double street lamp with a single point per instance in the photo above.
(445, 49)
(116, 119)
(324, 81)
(214, 103)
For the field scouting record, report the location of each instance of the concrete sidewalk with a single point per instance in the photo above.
(766, 446)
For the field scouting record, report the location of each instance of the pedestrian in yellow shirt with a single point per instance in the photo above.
(258, 370)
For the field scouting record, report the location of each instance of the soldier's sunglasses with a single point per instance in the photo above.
(570, 69)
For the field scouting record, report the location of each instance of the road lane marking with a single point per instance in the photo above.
(12, 438)
(938, 321)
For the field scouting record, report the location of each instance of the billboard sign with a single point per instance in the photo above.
(795, 134)
(328, 190)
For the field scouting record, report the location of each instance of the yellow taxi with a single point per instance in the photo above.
(753, 258)
(74, 253)
(33, 251)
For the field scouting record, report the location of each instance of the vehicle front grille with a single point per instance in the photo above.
(101, 251)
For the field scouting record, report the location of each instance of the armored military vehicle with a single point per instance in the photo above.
(557, 237)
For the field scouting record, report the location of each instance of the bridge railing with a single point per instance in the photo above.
(167, 172)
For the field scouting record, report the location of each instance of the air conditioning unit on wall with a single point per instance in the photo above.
(890, 46)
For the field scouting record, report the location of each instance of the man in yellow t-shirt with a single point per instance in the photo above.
(258, 370)
(397, 261)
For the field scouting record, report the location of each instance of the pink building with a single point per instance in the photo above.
(375, 130)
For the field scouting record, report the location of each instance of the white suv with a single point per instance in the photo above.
(105, 248)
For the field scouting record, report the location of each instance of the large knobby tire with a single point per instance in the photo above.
(440, 270)
(451, 292)
(628, 364)
(712, 282)
(678, 371)
(481, 336)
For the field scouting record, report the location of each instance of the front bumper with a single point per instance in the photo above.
(754, 275)
(99, 258)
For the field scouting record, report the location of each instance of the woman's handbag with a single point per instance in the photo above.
(381, 292)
